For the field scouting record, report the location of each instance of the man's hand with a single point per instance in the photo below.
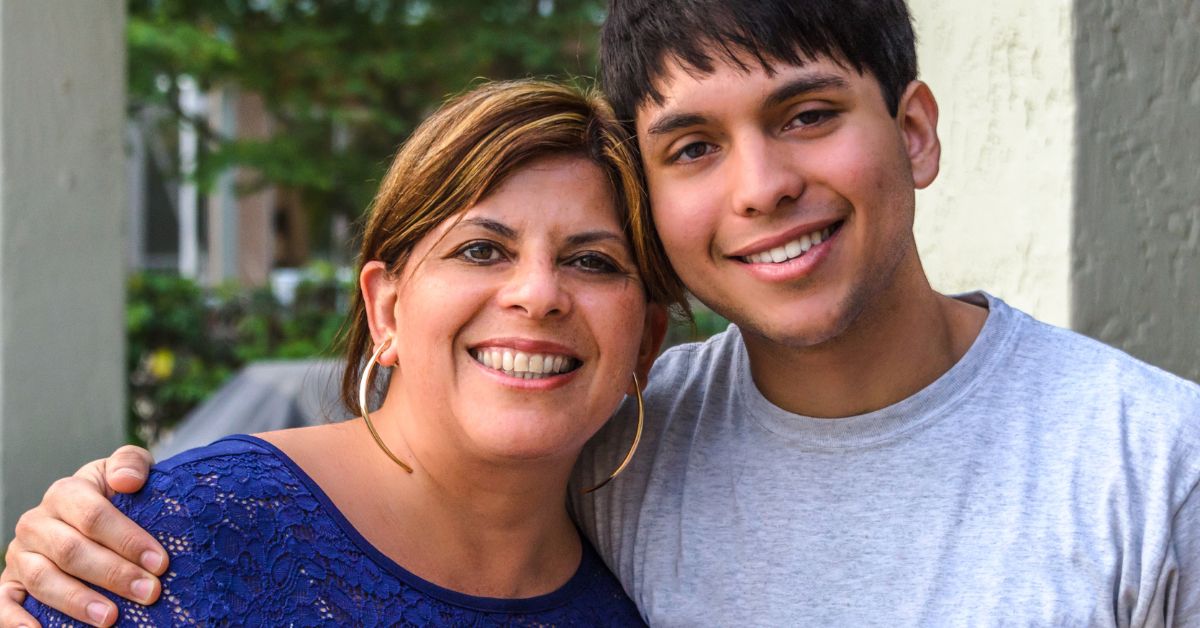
(76, 532)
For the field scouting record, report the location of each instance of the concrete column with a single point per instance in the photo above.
(256, 210)
(1068, 185)
(62, 207)
(1135, 250)
(241, 242)
(222, 199)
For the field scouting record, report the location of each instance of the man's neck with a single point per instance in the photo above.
(898, 345)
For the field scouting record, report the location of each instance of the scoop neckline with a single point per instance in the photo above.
(547, 601)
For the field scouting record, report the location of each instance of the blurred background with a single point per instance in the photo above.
(258, 133)
(181, 184)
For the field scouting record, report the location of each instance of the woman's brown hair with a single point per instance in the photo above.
(470, 146)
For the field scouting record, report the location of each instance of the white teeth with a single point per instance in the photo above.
(523, 365)
(789, 251)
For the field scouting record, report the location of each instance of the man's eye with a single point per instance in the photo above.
(595, 263)
(482, 252)
(693, 151)
(812, 117)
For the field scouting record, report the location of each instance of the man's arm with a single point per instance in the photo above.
(76, 532)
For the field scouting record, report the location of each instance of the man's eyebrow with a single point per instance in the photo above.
(494, 226)
(785, 92)
(588, 237)
(675, 121)
(804, 85)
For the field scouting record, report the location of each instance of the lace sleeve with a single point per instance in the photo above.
(219, 519)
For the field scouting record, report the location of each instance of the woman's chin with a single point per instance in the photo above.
(524, 439)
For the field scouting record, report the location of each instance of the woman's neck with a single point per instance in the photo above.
(482, 529)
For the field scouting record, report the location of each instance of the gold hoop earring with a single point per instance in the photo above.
(637, 438)
(363, 386)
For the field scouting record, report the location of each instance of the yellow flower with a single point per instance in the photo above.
(161, 363)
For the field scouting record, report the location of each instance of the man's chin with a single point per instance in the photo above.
(800, 336)
(808, 324)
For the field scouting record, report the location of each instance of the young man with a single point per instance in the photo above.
(858, 449)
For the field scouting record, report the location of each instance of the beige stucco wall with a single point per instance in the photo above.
(1070, 187)
(999, 215)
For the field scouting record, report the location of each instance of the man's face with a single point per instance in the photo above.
(785, 201)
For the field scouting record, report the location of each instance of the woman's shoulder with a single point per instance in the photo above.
(226, 498)
(246, 535)
(233, 467)
(237, 447)
(241, 466)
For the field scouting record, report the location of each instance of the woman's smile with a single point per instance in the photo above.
(523, 317)
(526, 359)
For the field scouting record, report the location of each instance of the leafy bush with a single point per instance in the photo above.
(184, 341)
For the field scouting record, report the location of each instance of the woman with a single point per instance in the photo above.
(511, 285)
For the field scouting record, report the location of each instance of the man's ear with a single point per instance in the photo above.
(653, 334)
(379, 293)
(917, 117)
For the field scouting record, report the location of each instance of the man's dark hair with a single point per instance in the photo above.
(640, 36)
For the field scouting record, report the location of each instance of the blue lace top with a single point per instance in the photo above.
(254, 541)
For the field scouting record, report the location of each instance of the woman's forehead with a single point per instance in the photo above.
(558, 192)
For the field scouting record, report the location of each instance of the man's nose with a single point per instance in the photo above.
(764, 176)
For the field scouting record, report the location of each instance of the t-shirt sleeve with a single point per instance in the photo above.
(1185, 533)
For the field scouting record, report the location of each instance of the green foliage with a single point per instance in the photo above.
(185, 341)
(344, 80)
(705, 323)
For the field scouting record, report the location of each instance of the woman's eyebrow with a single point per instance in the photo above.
(588, 237)
(494, 226)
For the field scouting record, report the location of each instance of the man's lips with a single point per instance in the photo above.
(789, 245)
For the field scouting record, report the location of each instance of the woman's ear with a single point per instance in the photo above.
(917, 117)
(653, 333)
(379, 293)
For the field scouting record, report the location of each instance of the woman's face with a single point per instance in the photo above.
(524, 319)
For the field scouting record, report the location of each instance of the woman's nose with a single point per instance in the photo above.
(536, 290)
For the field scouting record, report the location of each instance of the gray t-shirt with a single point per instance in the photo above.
(1045, 480)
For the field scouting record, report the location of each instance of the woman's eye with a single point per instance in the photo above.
(692, 152)
(482, 252)
(594, 263)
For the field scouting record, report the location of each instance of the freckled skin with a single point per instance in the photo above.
(472, 285)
